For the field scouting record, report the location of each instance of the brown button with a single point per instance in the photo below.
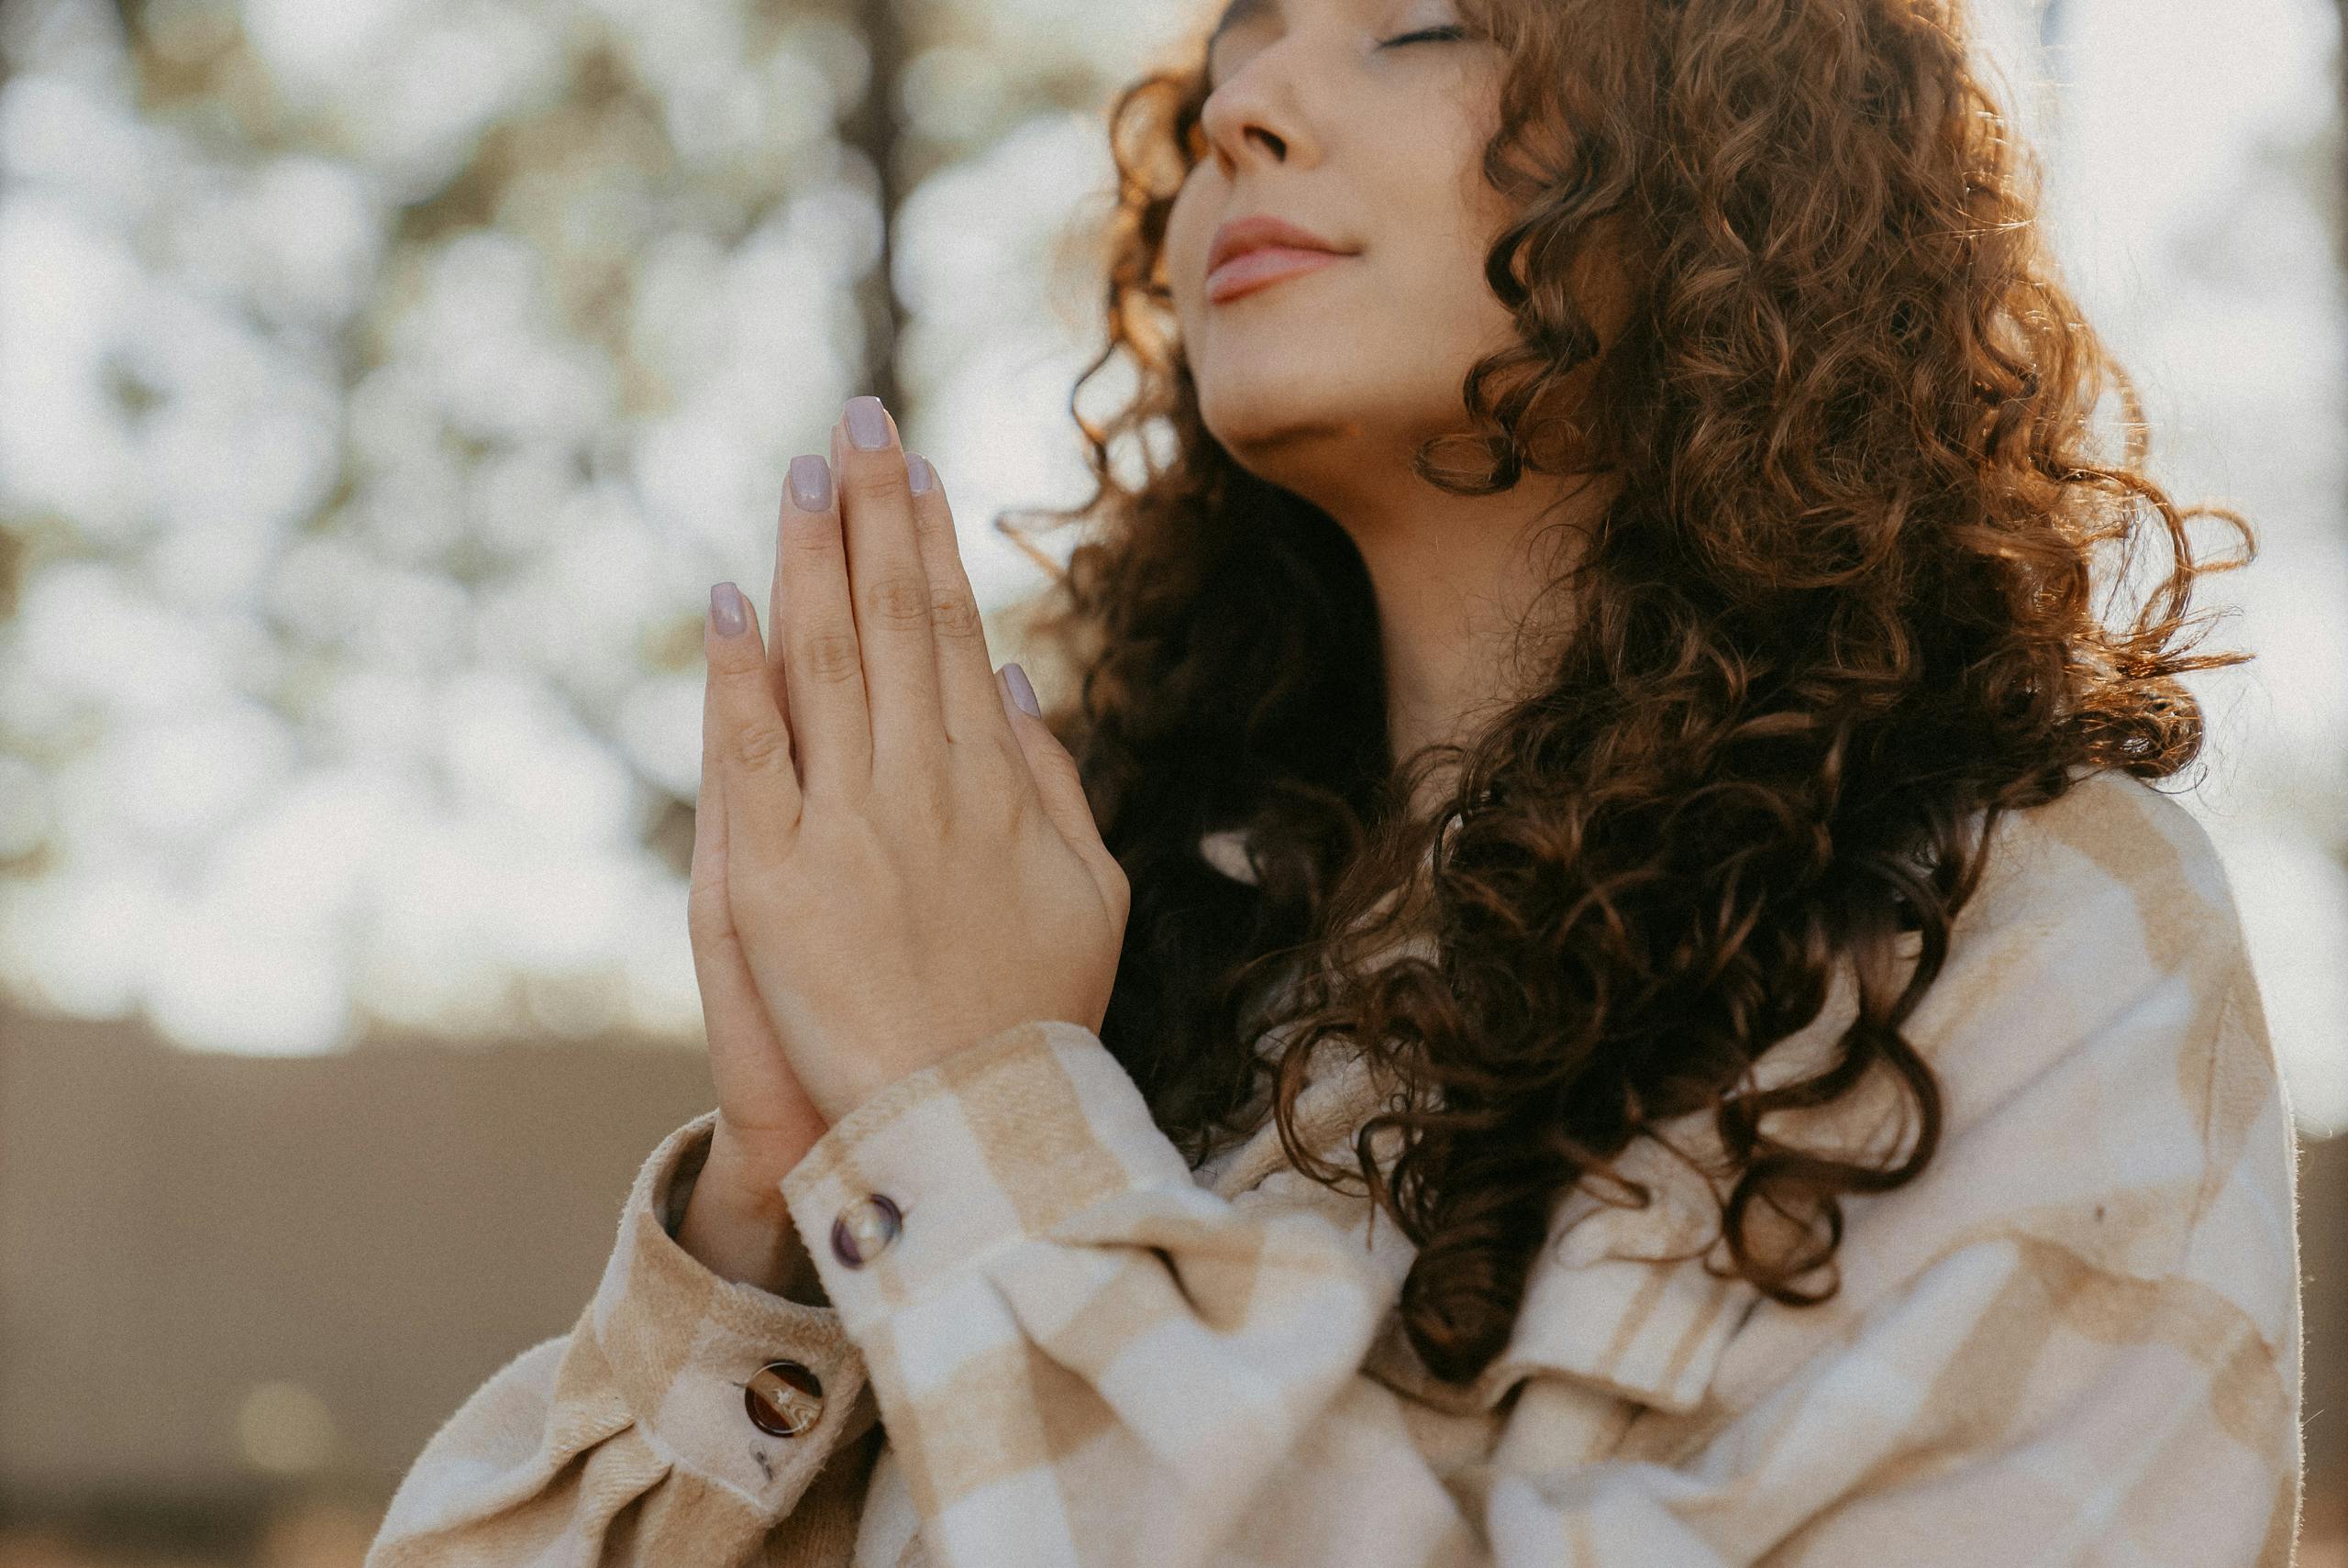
(783, 1398)
(865, 1227)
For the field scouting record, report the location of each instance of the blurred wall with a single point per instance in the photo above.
(206, 1254)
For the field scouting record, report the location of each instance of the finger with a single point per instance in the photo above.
(822, 671)
(730, 1007)
(706, 909)
(1060, 784)
(734, 1023)
(742, 725)
(778, 674)
(891, 591)
(968, 694)
(709, 812)
(725, 985)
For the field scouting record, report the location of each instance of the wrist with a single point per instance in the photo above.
(736, 1225)
(746, 1243)
(750, 1164)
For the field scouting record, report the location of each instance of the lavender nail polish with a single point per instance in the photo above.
(1020, 692)
(867, 426)
(725, 610)
(811, 483)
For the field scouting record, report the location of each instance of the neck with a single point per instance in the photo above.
(1453, 576)
(1455, 579)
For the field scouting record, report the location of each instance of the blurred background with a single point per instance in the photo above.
(384, 383)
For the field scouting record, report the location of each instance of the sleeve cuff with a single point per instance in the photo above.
(999, 1144)
(681, 1343)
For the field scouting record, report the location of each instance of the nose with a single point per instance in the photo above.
(1252, 117)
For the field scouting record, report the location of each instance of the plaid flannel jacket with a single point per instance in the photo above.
(2075, 1339)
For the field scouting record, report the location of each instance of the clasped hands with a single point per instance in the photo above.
(891, 861)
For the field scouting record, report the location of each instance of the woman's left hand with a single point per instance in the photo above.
(911, 863)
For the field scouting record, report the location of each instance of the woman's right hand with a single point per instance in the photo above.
(736, 1221)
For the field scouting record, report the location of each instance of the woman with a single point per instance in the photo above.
(1814, 1084)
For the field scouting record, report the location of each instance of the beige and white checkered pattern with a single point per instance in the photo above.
(2074, 1340)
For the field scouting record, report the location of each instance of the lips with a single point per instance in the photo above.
(1262, 229)
(1257, 249)
(1252, 269)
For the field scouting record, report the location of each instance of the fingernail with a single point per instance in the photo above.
(918, 475)
(867, 425)
(725, 610)
(1020, 692)
(811, 483)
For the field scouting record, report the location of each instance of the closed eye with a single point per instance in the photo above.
(1450, 32)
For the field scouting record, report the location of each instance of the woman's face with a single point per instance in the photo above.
(1332, 116)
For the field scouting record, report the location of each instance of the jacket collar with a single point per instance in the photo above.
(1638, 1301)
(1618, 1298)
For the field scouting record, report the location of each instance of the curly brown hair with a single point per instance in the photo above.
(1837, 618)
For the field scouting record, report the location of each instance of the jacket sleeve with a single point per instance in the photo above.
(2078, 1330)
(628, 1439)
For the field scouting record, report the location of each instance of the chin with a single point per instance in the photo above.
(1272, 402)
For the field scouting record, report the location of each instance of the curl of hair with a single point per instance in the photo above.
(1838, 617)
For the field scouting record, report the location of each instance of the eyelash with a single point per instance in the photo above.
(1450, 32)
(1443, 34)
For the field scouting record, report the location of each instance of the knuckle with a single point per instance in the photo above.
(876, 476)
(761, 747)
(816, 541)
(955, 614)
(829, 655)
(900, 599)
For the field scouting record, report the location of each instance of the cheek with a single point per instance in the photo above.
(1430, 187)
(1189, 228)
(1469, 218)
(1437, 247)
